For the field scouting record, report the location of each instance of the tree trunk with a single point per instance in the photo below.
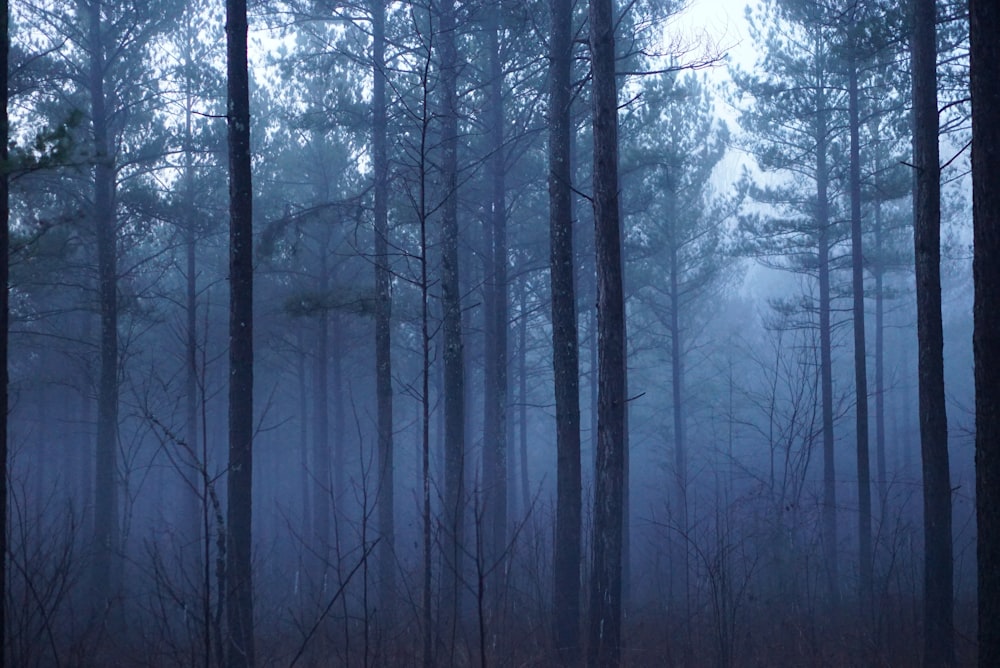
(383, 319)
(826, 363)
(321, 463)
(606, 580)
(454, 372)
(565, 362)
(191, 518)
(878, 270)
(984, 25)
(495, 331)
(860, 363)
(304, 487)
(239, 582)
(522, 393)
(939, 642)
(106, 521)
(680, 444)
(4, 314)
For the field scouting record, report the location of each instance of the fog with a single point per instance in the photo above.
(406, 466)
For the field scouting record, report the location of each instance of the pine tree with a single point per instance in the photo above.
(984, 25)
(565, 362)
(239, 576)
(609, 473)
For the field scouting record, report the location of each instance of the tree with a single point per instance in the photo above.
(675, 238)
(106, 520)
(853, 45)
(793, 126)
(984, 25)
(239, 576)
(939, 644)
(4, 313)
(451, 305)
(565, 356)
(383, 311)
(609, 473)
(495, 301)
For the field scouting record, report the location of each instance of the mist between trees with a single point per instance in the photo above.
(538, 334)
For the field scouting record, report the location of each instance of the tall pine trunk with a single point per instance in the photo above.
(825, 342)
(321, 461)
(984, 25)
(106, 521)
(495, 332)
(609, 474)
(939, 644)
(383, 318)
(192, 506)
(454, 367)
(565, 362)
(239, 578)
(860, 364)
(4, 314)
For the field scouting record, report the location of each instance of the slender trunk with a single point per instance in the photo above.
(192, 513)
(680, 445)
(304, 486)
(454, 371)
(939, 644)
(985, 75)
(106, 520)
(606, 581)
(4, 316)
(495, 332)
(239, 582)
(338, 485)
(383, 318)
(860, 363)
(565, 356)
(425, 399)
(878, 270)
(826, 363)
(522, 393)
(321, 463)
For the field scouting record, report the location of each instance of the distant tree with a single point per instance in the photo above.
(853, 45)
(239, 575)
(792, 126)
(495, 302)
(609, 474)
(673, 146)
(451, 306)
(383, 311)
(984, 25)
(939, 633)
(4, 312)
(565, 356)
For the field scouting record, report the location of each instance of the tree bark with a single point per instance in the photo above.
(984, 27)
(495, 332)
(4, 312)
(322, 485)
(239, 578)
(106, 521)
(939, 644)
(383, 318)
(565, 354)
(865, 564)
(192, 506)
(454, 367)
(606, 580)
(826, 364)
(680, 427)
